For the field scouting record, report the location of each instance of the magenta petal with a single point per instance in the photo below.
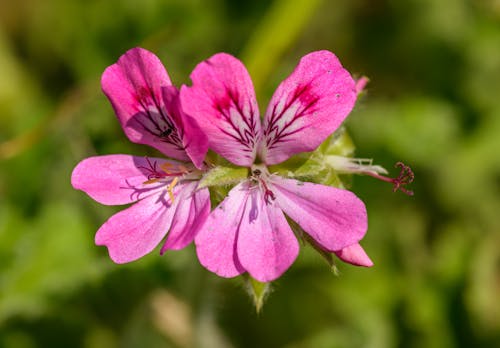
(307, 107)
(192, 211)
(334, 218)
(115, 179)
(134, 87)
(355, 255)
(222, 101)
(266, 245)
(193, 139)
(136, 231)
(216, 240)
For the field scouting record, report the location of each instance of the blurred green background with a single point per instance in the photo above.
(433, 102)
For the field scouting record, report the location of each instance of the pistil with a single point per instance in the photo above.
(404, 178)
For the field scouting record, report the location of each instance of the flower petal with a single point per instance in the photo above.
(355, 255)
(266, 245)
(194, 140)
(116, 179)
(216, 240)
(333, 217)
(137, 230)
(307, 107)
(222, 100)
(134, 87)
(191, 213)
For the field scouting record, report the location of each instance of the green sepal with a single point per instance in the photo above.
(312, 167)
(223, 176)
(258, 291)
(326, 255)
(287, 168)
(306, 239)
(315, 170)
(339, 143)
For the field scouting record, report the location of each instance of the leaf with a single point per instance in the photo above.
(53, 255)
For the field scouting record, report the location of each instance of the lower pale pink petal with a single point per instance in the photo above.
(191, 213)
(222, 101)
(115, 179)
(355, 255)
(334, 218)
(307, 107)
(216, 240)
(266, 245)
(136, 231)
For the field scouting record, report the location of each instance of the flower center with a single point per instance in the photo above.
(167, 173)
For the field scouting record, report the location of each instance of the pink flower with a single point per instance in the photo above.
(164, 191)
(248, 231)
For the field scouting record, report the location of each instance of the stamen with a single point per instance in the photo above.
(151, 181)
(404, 178)
(166, 170)
(268, 194)
(259, 175)
(170, 188)
(166, 167)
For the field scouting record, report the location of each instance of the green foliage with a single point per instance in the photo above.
(258, 291)
(432, 102)
(223, 176)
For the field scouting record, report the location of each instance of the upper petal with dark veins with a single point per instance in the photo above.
(134, 86)
(222, 100)
(307, 107)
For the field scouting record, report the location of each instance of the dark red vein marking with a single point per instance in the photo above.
(280, 133)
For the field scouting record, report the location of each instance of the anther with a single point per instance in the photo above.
(166, 167)
(170, 188)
